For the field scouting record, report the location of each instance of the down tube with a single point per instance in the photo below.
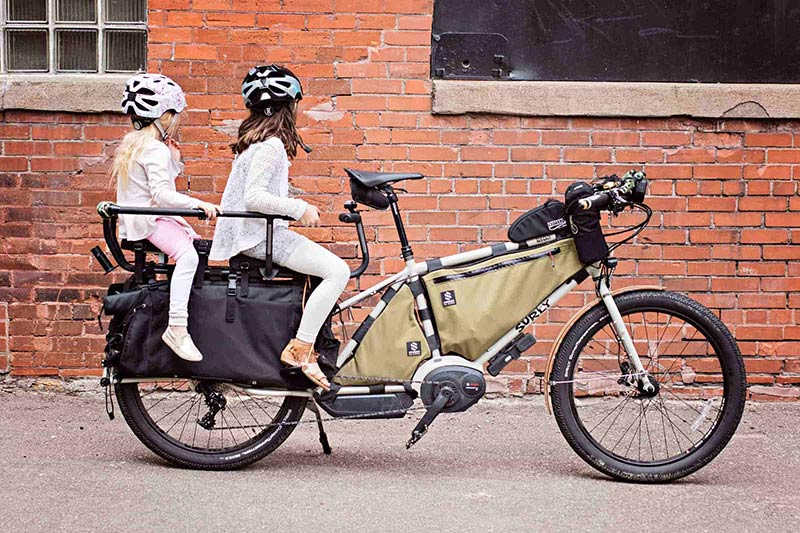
(527, 320)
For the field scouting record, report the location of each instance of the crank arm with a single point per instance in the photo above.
(430, 415)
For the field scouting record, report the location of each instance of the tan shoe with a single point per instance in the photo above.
(302, 354)
(183, 346)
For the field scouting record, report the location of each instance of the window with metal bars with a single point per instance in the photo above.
(73, 36)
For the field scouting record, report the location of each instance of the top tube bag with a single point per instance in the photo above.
(476, 304)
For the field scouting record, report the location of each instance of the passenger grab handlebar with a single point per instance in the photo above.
(354, 217)
(110, 212)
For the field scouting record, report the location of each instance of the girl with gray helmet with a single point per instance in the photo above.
(145, 165)
(259, 181)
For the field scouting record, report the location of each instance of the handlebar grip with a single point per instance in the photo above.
(350, 218)
(597, 201)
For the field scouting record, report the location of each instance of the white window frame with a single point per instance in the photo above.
(99, 25)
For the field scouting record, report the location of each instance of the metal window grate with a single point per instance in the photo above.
(26, 50)
(27, 10)
(63, 36)
(125, 50)
(76, 11)
(125, 10)
(76, 50)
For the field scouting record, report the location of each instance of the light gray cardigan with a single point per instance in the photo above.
(259, 181)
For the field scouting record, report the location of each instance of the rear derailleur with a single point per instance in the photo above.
(215, 401)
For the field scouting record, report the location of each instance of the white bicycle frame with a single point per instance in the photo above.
(411, 273)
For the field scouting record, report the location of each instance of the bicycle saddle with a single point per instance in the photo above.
(374, 179)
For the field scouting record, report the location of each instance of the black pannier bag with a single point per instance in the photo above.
(241, 329)
(585, 224)
(548, 222)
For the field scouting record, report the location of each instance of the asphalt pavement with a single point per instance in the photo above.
(502, 466)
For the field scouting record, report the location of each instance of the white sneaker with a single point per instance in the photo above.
(183, 346)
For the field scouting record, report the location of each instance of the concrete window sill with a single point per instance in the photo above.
(615, 99)
(79, 93)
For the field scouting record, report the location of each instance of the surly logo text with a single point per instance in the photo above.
(556, 224)
(533, 315)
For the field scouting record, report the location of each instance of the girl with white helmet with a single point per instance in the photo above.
(146, 165)
(259, 181)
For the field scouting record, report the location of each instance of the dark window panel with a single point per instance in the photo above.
(27, 10)
(636, 40)
(76, 50)
(125, 10)
(76, 11)
(26, 50)
(125, 51)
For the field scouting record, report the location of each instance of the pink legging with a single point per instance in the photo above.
(175, 240)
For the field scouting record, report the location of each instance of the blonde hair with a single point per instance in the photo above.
(259, 127)
(134, 142)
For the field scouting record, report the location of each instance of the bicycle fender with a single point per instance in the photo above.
(561, 334)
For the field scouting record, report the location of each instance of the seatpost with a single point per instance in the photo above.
(405, 248)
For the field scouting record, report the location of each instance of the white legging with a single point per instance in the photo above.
(311, 258)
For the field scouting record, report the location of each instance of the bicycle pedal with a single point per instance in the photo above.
(291, 371)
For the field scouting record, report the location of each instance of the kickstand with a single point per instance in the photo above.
(323, 437)
(427, 419)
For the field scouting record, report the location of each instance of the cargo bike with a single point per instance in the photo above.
(645, 384)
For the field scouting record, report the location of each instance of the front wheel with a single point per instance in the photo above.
(622, 427)
(207, 425)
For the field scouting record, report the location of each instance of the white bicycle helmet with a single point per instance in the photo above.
(265, 85)
(148, 96)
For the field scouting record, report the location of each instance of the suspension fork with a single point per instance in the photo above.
(601, 278)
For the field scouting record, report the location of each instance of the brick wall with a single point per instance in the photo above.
(724, 192)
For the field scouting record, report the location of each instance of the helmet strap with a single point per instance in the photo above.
(162, 130)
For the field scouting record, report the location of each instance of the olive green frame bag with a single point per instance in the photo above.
(475, 305)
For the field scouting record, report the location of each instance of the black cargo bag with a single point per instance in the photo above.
(585, 224)
(240, 331)
(545, 223)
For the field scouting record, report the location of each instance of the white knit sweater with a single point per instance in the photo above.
(259, 181)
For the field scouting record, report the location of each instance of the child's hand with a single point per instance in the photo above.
(174, 148)
(310, 217)
(210, 210)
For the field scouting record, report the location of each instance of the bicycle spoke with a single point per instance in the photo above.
(627, 432)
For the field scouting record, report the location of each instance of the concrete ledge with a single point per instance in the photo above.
(615, 99)
(79, 93)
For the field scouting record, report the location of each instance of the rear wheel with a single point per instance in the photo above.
(630, 433)
(207, 425)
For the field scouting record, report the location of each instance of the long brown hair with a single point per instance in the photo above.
(259, 127)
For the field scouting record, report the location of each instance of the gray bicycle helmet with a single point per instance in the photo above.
(265, 85)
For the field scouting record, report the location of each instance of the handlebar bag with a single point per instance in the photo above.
(245, 350)
(585, 224)
(548, 222)
(476, 304)
(390, 346)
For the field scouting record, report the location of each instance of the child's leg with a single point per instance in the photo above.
(311, 258)
(174, 240)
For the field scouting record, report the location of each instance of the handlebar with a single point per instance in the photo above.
(354, 217)
(617, 192)
(110, 211)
